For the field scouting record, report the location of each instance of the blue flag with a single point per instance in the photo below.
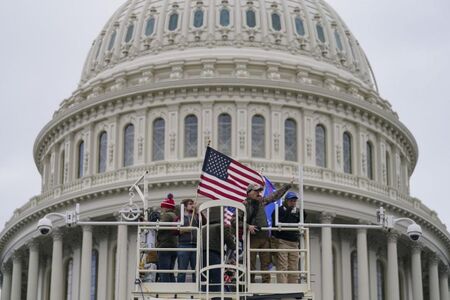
(270, 208)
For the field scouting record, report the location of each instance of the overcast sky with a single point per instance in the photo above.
(44, 44)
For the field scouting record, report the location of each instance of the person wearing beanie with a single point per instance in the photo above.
(167, 239)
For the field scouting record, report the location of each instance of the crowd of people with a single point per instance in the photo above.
(185, 239)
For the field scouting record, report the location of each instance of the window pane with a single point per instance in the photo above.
(198, 18)
(290, 140)
(380, 281)
(338, 40)
(94, 275)
(190, 136)
(388, 169)
(150, 27)
(128, 148)
(102, 152)
(251, 18)
(258, 136)
(299, 26)
(321, 146)
(173, 22)
(369, 160)
(276, 22)
(112, 40)
(158, 139)
(224, 17)
(224, 134)
(62, 163)
(129, 34)
(354, 266)
(81, 160)
(98, 49)
(320, 33)
(347, 153)
(69, 279)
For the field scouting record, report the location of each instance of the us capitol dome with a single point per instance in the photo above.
(271, 84)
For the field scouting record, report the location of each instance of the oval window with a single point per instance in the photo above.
(224, 17)
(150, 27)
(129, 35)
(299, 26)
(198, 18)
(338, 40)
(320, 33)
(173, 22)
(276, 22)
(251, 18)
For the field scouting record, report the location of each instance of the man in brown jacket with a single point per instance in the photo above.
(256, 218)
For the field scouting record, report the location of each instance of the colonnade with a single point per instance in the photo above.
(12, 273)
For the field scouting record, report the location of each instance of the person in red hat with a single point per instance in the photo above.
(167, 239)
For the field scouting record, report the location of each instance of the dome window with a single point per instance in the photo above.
(129, 35)
(276, 22)
(320, 33)
(80, 172)
(299, 26)
(224, 134)
(190, 136)
(347, 141)
(173, 21)
(290, 140)
(128, 146)
(258, 136)
(321, 146)
(150, 26)
(102, 151)
(224, 17)
(112, 40)
(158, 139)
(98, 49)
(251, 18)
(338, 41)
(198, 18)
(369, 157)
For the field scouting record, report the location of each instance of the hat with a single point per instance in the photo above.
(254, 187)
(290, 195)
(168, 202)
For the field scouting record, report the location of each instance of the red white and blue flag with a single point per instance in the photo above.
(225, 178)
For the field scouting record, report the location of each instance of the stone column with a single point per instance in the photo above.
(121, 262)
(16, 286)
(346, 275)
(33, 270)
(416, 270)
(433, 276)
(103, 267)
(57, 284)
(443, 282)
(6, 286)
(393, 287)
(86, 261)
(327, 258)
(363, 265)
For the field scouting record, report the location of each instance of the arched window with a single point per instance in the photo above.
(347, 142)
(129, 35)
(158, 141)
(98, 49)
(224, 17)
(299, 26)
(258, 136)
(190, 136)
(150, 26)
(380, 281)
(69, 279)
(338, 40)
(173, 21)
(224, 134)
(276, 22)
(321, 146)
(62, 162)
(354, 271)
(388, 168)
(102, 151)
(81, 159)
(290, 140)
(251, 18)
(369, 150)
(94, 275)
(112, 40)
(128, 145)
(198, 18)
(320, 33)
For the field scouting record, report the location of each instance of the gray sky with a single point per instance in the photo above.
(44, 45)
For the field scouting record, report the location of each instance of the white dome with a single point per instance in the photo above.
(305, 33)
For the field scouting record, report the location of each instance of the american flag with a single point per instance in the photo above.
(224, 178)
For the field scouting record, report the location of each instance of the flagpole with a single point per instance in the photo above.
(196, 193)
(300, 192)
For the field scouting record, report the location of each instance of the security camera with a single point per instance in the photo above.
(414, 232)
(45, 226)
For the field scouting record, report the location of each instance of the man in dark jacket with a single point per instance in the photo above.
(167, 239)
(287, 261)
(256, 218)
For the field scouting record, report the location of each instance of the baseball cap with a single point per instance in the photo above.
(254, 187)
(291, 195)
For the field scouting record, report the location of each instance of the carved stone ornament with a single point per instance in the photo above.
(309, 147)
(241, 139)
(172, 138)
(241, 70)
(208, 70)
(338, 153)
(140, 146)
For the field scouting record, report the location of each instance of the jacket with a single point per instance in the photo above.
(189, 237)
(287, 215)
(167, 238)
(256, 214)
(214, 232)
